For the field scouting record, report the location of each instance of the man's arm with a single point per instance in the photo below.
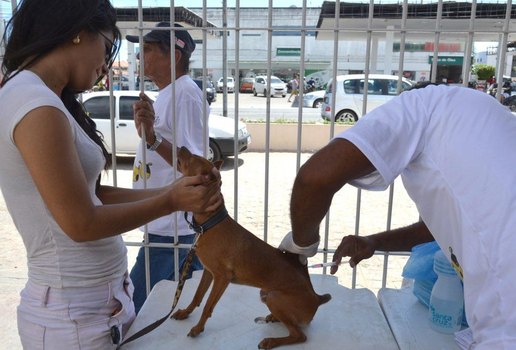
(317, 181)
(363, 247)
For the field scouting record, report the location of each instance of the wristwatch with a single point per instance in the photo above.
(157, 141)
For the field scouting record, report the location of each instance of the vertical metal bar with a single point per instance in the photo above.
(205, 129)
(237, 106)
(224, 59)
(388, 227)
(333, 104)
(368, 56)
(403, 35)
(502, 50)
(113, 133)
(466, 68)
(333, 89)
(144, 148)
(436, 40)
(301, 88)
(268, 125)
(173, 72)
(357, 232)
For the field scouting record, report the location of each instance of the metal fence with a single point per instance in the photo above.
(367, 23)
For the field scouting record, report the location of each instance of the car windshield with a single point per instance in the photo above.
(276, 80)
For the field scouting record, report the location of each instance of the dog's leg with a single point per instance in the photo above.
(295, 335)
(204, 284)
(220, 283)
(293, 309)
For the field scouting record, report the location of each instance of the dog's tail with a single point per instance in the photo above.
(323, 299)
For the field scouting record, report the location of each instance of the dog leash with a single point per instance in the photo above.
(199, 230)
(179, 289)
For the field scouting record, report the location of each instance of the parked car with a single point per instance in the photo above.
(230, 84)
(221, 129)
(314, 99)
(247, 85)
(278, 86)
(350, 94)
(211, 94)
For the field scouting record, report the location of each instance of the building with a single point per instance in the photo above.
(250, 41)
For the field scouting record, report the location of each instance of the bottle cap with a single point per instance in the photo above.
(442, 264)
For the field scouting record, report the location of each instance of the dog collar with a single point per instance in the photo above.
(211, 222)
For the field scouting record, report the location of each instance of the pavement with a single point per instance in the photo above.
(265, 213)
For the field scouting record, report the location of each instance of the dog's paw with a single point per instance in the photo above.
(271, 318)
(267, 343)
(195, 331)
(180, 314)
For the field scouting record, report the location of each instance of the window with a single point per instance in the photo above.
(350, 86)
(126, 107)
(98, 107)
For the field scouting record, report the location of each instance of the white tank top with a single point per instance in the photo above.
(53, 258)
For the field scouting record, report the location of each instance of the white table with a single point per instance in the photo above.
(408, 319)
(351, 320)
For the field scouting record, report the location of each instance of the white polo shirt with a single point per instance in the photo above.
(188, 132)
(455, 149)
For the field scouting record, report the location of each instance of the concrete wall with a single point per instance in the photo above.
(284, 137)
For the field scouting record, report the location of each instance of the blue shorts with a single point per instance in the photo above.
(161, 265)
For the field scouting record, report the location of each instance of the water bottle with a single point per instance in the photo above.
(447, 299)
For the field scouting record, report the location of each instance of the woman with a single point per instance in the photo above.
(78, 295)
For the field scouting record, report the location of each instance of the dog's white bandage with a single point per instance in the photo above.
(288, 244)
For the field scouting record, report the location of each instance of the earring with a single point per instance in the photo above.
(76, 40)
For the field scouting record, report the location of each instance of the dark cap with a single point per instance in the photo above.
(184, 41)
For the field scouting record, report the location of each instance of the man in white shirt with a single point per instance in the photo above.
(455, 151)
(158, 122)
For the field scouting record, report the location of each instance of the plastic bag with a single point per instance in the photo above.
(420, 268)
(420, 265)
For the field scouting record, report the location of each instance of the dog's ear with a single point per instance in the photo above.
(218, 164)
(185, 151)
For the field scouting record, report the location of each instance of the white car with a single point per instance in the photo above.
(230, 84)
(350, 94)
(221, 129)
(313, 99)
(278, 86)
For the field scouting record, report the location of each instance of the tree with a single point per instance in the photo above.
(483, 71)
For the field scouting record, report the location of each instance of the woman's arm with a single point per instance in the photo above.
(45, 141)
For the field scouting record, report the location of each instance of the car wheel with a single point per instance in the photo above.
(214, 153)
(264, 92)
(283, 96)
(511, 103)
(346, 116)
(318, 103)
(254, 92)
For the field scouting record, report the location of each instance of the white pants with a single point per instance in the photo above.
(74, 318)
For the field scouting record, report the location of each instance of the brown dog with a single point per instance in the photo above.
(230, 253)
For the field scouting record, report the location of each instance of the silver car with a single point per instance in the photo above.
(313, 99)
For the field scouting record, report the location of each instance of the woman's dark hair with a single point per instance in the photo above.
(39, 26)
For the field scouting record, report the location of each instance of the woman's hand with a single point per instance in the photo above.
(199, 193)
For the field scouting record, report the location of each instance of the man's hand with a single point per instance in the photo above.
(356, 247)
(144, 118)
(288, 244)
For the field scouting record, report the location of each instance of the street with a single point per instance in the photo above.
(254, 108)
